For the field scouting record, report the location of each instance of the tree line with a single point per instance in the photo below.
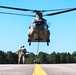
(10, 57)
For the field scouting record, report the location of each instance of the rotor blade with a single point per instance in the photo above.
(16, 14)
(60, 12)
(16, 8)
(55, 10)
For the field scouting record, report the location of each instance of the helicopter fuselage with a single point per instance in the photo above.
(38, 32)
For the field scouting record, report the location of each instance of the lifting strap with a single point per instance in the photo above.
(38, 47)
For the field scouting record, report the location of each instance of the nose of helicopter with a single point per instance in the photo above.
(39, 27)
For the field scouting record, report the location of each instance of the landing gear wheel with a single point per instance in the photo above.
(47, 43)
(48, 40)
(29, 42)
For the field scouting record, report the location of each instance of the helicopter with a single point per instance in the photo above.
(38, 29)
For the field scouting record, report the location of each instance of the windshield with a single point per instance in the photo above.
(38, 24)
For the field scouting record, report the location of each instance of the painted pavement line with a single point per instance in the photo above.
(38, 70)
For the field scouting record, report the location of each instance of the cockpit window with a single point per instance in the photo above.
(33, 25)
(40, 23)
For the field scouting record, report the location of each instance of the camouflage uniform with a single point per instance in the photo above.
(21, 55)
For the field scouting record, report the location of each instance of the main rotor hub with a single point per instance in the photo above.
(39, 15)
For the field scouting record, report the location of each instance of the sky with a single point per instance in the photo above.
(14, 29)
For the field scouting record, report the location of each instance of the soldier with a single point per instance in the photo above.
(21, 55)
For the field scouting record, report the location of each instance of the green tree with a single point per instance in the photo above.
(63, 57)
(30, 58)
(53, 57)
(42, 57)
(68, 58)
(3, 59)
(48, 58)
(12, 57)
(74, 57)
(58, 58)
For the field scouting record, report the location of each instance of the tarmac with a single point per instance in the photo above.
(37, 69)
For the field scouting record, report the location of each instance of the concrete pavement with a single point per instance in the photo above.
(18, 69)
(59, 69)
(28, 69)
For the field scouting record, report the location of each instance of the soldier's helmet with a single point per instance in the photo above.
(22, 46)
